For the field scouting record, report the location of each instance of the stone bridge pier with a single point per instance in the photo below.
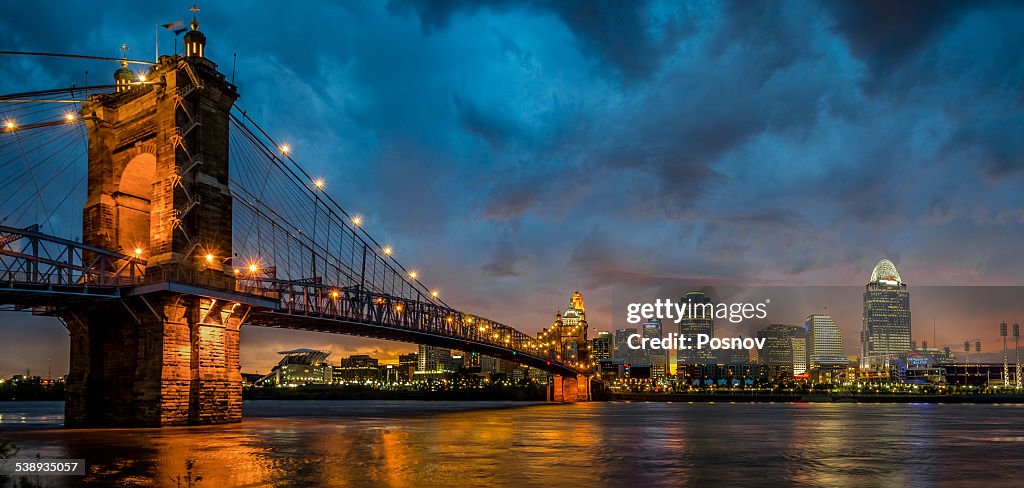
(565, 389)
(167, 354)
(159, 360)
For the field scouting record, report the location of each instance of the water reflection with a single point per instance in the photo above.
(598, 444)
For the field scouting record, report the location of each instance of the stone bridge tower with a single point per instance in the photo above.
(167, 354)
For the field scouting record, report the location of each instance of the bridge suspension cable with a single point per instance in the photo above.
(292, 242)
(43, 168)
(75, 56)
(73, 91)
(332, 233)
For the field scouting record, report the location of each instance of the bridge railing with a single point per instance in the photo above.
(363, 306)
(29, 257)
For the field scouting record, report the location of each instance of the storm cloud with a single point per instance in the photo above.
(514, 151)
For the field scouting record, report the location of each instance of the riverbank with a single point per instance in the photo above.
(744, 397)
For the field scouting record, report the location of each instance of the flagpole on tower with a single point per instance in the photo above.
(156, 43)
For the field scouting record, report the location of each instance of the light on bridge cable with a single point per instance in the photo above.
(318, 183)
(138, 251)
(434, 293)
(387, 250)
(10, 125)
(413, 274)
(70, 117)
(285, 148)
(357, 220)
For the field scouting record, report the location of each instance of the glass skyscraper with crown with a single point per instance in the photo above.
(886, 332)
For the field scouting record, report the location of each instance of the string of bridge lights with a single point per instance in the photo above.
(254, 266)
(356, 220)
(319, 184)
(497, 333)
(10, 125)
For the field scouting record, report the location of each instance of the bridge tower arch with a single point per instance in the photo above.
(132, 201)
(158, 191)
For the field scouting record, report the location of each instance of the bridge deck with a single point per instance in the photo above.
(46, 274)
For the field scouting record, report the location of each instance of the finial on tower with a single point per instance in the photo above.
(195, 23)
(124, 77)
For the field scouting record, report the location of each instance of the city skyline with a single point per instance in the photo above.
(679, 189)
(984, 307)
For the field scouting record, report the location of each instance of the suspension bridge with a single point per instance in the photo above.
(154, 218)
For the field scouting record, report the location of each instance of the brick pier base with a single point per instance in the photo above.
(165, 360)
(568, 389)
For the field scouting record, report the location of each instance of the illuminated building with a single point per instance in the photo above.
(574, 330)
(973, 374)
(725, 375)
(824, 342)
(566, 339)
(537, 374)
(359, 367)
(300, 367)
(702, 321)
(411, 359)
(601, 346)
(886, 332)
(921, 366)
(785, 349)
(471, 360)
(405, 368)
(489, 364)
(463, 359)
(622, 352)
(433, 360)
(733, 356)
(608, 370)
(656, 359)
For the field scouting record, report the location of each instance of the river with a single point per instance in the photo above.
(439, 444)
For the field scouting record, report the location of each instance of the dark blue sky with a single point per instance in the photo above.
(514, 151)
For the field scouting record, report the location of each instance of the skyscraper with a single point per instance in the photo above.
(622, 350)
(702, 321)
(657, 359)
(574, 330)
(824, 341)
(649, 330)
(601, 346)
(886, 332)
(801, 358)
(433, 359)
(566, 339)
(785, 346)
